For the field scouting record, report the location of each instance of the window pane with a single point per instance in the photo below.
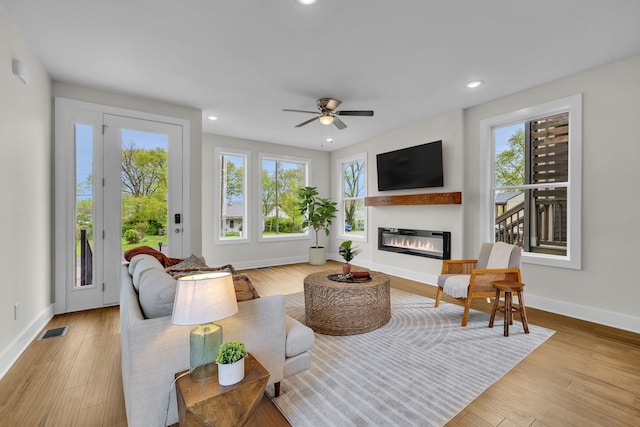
(232, 205)
(509, 155)
(281, 181)
(354, 214)
(84, 204)
(145, 168)
(354, 191)
(548, 229)
(353, 173)
(510, 217)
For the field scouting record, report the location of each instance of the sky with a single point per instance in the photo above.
(501, 136)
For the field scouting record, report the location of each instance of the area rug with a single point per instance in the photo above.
(420, 369)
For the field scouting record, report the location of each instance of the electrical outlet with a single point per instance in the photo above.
(16, 311)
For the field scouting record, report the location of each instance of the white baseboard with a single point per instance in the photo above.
(589, 314)
(20, 344)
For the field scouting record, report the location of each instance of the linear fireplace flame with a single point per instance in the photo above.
(426, 243)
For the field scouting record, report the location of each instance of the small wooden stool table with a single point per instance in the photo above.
(509, 287)
(207, 403)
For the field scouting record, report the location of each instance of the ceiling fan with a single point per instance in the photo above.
(327, 113)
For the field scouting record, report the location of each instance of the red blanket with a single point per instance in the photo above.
(164, 260)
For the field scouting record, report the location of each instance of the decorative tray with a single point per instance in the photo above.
(347, 278)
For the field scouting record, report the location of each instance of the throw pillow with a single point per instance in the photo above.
(191, 262)
(244, 288)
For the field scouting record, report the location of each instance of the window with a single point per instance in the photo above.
(534, 181)
(353, 189)
(233, 225)
(282, 177)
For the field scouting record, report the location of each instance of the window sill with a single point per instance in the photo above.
(551, 260)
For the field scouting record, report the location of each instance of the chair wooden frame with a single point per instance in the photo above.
(480, 282)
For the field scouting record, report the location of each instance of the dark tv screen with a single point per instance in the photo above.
(413, 167)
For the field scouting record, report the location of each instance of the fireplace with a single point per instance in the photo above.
(426, 243)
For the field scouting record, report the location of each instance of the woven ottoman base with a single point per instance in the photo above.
(341, 308)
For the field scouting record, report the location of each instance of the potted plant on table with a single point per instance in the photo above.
(318, 213)
(347, 252)
(230, 362)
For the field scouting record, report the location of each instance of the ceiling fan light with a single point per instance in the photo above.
(326, 120)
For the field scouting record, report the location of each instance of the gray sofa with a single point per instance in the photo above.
(153, 349)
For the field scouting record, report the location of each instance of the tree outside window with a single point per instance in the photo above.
(353, 194)
(281, 180)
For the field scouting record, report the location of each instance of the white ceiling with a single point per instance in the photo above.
(246, 60)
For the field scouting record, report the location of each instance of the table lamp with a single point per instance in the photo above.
(202, 299)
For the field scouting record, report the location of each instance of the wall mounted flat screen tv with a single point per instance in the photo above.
(413, 167)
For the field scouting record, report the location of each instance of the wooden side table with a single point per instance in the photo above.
(207, 403)
(509, 288)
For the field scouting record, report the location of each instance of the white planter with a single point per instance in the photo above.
(231, 373)
(317, 256)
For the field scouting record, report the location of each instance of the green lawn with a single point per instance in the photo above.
(151, 241)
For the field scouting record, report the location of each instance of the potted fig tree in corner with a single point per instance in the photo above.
(318, 212)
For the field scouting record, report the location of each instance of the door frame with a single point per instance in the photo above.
(67, 113)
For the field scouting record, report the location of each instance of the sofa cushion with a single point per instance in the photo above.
(141, 266)
(156, 293)
(136, 259)
(300, 338)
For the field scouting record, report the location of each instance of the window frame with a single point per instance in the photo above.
(341, 199)
(572, 105)
(306, 235)
(246, 224)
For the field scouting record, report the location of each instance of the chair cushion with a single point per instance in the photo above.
(500, 255)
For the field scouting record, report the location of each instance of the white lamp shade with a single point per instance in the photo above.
(204, 298)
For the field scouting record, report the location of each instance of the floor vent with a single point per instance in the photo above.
(54, 333)
(262, 268)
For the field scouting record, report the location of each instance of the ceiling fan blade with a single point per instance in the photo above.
(307, 122)
(367, 113)
(300, 111)
(338, 123)
(328, 104)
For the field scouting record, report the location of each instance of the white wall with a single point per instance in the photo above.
(25, 189)
(607, 289)
(194, 116)
(254, 253)
(448, 128)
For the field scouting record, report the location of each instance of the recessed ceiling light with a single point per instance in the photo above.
(213, 118)
(329, 139)
(306, 2)
(474, 83)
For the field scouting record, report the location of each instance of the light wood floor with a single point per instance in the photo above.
(584, 375)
